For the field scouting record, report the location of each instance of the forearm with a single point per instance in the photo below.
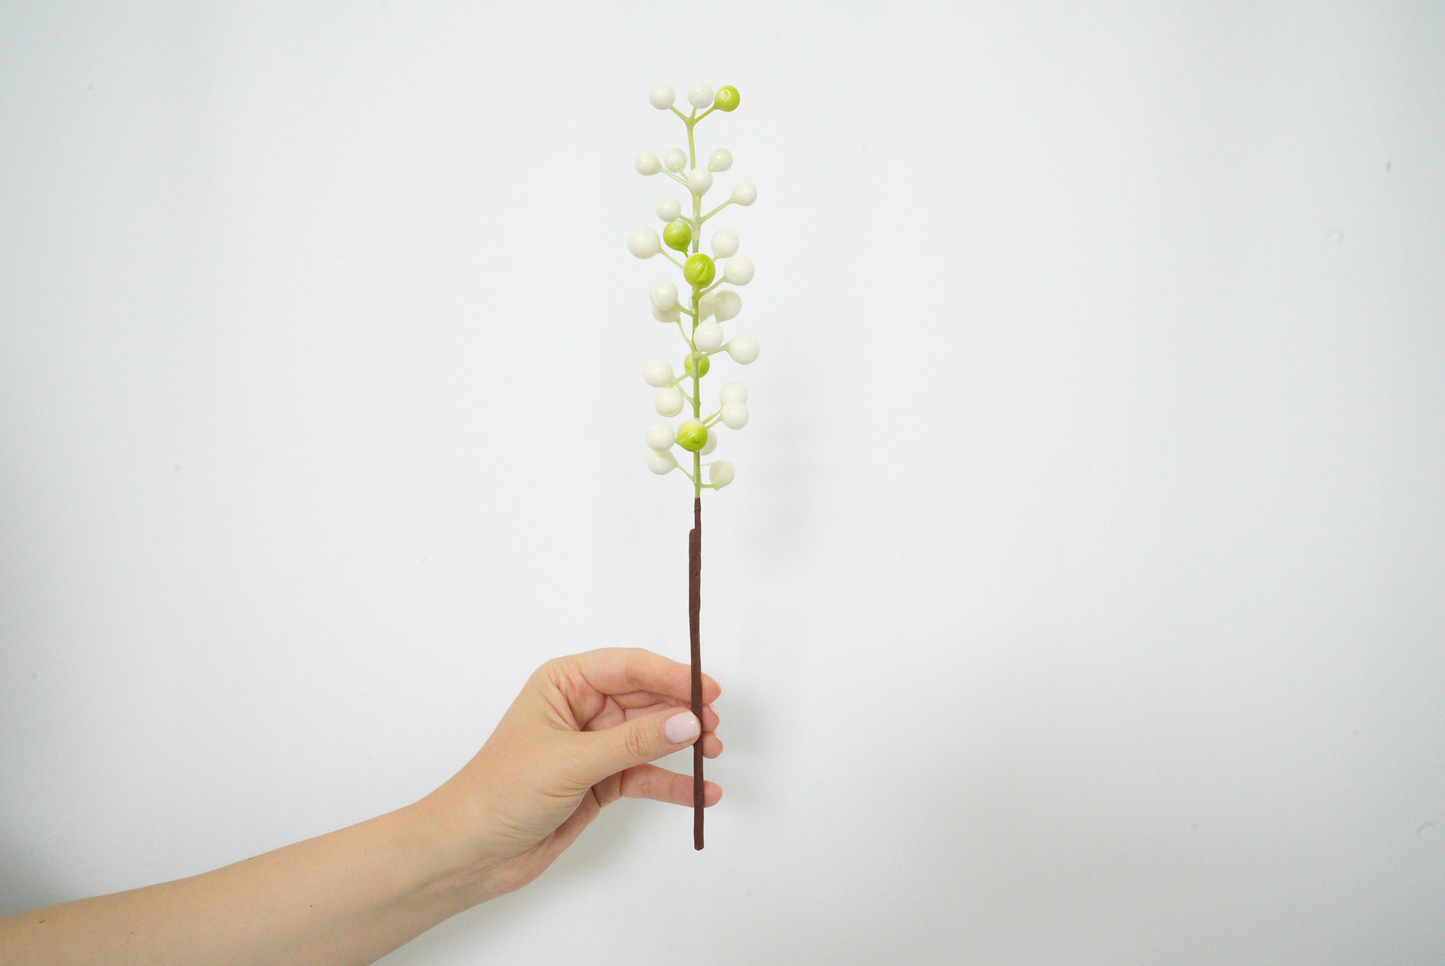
(346, 898)
(562, 751)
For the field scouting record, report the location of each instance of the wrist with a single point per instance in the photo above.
(456, 867)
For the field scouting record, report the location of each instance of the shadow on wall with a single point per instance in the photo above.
(29, 882)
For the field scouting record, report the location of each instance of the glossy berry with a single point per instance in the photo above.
(700, 96)
(728, 99)
(677, 235)
(647, 163)
(661, 463)
(706, 304)
(668, 208)
(662, 96)
(699, 180)
(659, 437)
(732, 392)
(724, 243)
(663, 294)
(697, 361)
(744, 193)
(699, 270)
(720, 160)
(692, 435)
(738, 270)
(674, 159)
(743, 349)
(720, 474)
(668, 402)
(643, 242)
(707, 336)
(658, 373)
(710, 445)
(728, 304)
(735, 415)
(669, 315)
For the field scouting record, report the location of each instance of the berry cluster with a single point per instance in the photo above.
(711, 305)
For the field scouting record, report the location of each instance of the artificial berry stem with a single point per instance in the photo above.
(710, 308)
(694, 608)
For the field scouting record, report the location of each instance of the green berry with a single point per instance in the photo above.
(698, 361)
(692, 435)
(699, 270)
(727, 99)
(678, 235)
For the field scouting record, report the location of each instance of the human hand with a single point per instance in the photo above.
(578, 737)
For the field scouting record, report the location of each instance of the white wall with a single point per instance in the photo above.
(1081, 596)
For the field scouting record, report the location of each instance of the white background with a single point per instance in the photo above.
(1081, 595)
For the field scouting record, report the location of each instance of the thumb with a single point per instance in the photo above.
(640, 740)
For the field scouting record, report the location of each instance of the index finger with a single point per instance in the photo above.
(621, 670)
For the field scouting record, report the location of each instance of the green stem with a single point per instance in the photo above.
(690, 344)
(696, 311)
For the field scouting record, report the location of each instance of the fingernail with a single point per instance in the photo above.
(682, 727)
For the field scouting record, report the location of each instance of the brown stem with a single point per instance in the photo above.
(694, 606)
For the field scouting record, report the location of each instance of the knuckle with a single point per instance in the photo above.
(637, 742)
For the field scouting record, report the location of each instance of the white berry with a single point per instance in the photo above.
(739, 270)
(711, 444)
(728, 304)
(663, 294)
(675, 160)
(658, 373)
(707, 303)
(668, 402)
(735, 415)
(669, 315)
(720, 160)
(744, 193)
(720, 474)
(646, 163)
(724, 243)
(733, 392)
(707, 336)
(643, 242)
(669, 208)
(700, 96)
(662, 96)
(660, 437)
(661, 463)
(743, 349)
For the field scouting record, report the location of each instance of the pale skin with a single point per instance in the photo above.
(578, 737)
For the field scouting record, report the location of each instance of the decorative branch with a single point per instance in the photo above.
(695, 436)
